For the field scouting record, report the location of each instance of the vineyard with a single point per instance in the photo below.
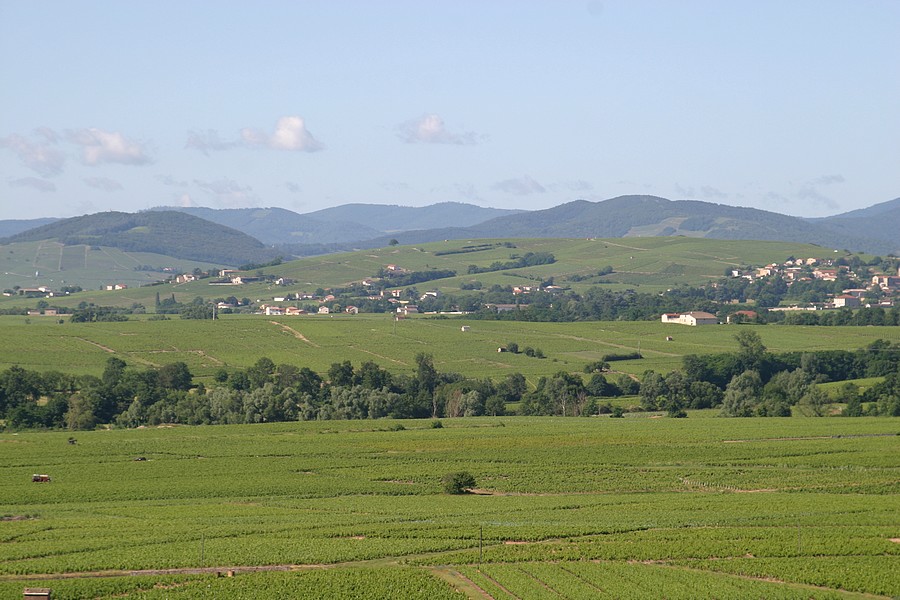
(563, 508)
(316, 342)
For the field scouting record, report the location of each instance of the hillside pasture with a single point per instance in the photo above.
(634, 507)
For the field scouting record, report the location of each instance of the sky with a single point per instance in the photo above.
(789, 106)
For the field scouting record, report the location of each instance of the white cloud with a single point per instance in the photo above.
(33, 182)
(292, 187)
(185, 201)
(99, 146)
(290, 134)
(521, 186)
(430, 129)
(39, 156)
(103, 183)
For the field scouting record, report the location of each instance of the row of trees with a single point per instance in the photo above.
(749, 382)
(755, 382)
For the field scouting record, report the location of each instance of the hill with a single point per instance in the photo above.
(879, 222)
(281, 226)
(346, 224)
(171, 233)
(644, 216)
(644, 264)
(57, 266)
(10, 227)
(393, 218)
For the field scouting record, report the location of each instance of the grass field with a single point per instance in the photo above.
(644, 264)
(564, 508)
(40, 343)
(32, 264)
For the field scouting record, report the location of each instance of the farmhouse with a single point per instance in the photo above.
(691, 318)
(846, 300)
(741, 316)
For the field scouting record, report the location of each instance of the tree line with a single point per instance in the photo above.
(749, 382)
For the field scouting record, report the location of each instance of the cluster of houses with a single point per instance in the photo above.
(888, 287)
(804, 269)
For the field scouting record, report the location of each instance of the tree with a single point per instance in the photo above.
(742, 395)
(751, 350)
(393, 242)
(175, 376)
(457, 483)
(653, 390)
(815, 401)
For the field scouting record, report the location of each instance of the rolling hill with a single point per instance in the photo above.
(342, 224)
(281, 226)
(651, 264)
(10, 227)
(171, 233)
(392, 218)
(647, 216)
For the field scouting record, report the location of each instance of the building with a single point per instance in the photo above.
(741, 316)
(691, 318)
(846, 301)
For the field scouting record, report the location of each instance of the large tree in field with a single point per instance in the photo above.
(751, 350)
(742, 395)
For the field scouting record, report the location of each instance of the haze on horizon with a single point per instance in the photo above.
(789, 107)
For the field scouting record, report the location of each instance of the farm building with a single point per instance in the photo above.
(691, 318)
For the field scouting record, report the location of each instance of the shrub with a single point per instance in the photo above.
(457, 483)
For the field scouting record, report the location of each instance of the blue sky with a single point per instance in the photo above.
(108, 105)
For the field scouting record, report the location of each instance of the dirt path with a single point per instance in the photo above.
(294, 333)
(101, 346)
(399, 362)
(460, 582)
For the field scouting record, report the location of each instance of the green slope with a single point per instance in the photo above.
(163, 232)
(645, 264)
(53, 264)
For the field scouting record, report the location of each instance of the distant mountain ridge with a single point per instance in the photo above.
(644, 216)
(163, 232)
(341, 224)
(394, 218)
(352, 226)
(10, 227)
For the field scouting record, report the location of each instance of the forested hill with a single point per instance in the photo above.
(647, 216)
(10, 227)
(880, 222)
(171, 233)
(393, 218)
(281, 226)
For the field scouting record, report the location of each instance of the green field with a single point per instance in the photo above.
(40, 343)
(644, 264)
(51, 264)
(564, 508)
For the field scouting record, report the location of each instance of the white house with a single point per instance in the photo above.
(691, 318)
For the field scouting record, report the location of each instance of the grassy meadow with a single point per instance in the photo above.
(317, 341)
(563, 508)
